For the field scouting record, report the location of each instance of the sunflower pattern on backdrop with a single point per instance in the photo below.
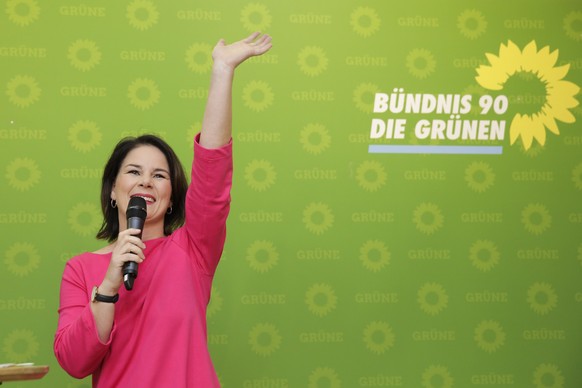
(556, 96)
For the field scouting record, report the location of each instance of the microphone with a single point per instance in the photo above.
(136, 215)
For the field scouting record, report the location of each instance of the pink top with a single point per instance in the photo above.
(159, 331)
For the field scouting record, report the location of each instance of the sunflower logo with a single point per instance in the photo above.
(315, 138)
(21, 259)
(573, 25)
(142, 14)
(542, 298)
(363, 96)
(327, 377)
(84, 54)
(420, 63)
(534, 150)
(264, 339)
(312, 61)
(143, 93)
(23, 91)
(84, 218)
(262, 256)
(199, 58)
(548, 376)
(260, 175)
(20, 345)
(256, 17)
(378, 337)
(371, 176)
(437, 376)
(365, 21)
(258, 96)
(471, 23)
(374, 255)
(484, 255)
(22, 174)
(22, 12)
(557, 95)
(479, 176)
(84, 135)
(318, 217)
(432, 298)
(428, 218)
(321, 299)
(536, 218)
(489, 336)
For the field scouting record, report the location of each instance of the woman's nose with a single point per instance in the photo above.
(145, 180)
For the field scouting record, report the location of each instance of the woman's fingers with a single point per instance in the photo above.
(252, 37)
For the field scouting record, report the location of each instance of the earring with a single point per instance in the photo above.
(169, 211)
(113, 203)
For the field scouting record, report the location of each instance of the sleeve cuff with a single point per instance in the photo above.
(211, 153)
(89, 322)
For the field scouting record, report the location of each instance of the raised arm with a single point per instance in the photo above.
(217, 122)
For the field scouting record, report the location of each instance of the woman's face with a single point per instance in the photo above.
(144, 173)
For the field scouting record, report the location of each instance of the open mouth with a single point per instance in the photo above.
(148, 198)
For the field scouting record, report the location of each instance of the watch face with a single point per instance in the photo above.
(93, 294)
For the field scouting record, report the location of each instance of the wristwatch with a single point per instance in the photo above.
(96, 297)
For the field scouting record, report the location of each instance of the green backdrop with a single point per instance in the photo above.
(352, 260)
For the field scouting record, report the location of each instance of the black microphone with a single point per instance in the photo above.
(136, 215)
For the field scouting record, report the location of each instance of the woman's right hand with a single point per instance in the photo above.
(232, 55)
(128, 247)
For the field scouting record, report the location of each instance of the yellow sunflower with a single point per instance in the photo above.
(559, 94)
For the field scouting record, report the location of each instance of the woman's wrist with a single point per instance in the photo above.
(222, 69)
(107, 289)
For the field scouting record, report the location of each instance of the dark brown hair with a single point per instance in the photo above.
(110, 227)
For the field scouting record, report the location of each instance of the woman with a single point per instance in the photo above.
(155, 334)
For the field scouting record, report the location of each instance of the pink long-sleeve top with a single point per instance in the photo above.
(159, 330)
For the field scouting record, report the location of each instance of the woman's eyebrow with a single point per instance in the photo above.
(141, 168)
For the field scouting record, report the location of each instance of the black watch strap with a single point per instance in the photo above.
(97, 297)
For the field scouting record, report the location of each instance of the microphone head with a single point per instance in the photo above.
(137, 207)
